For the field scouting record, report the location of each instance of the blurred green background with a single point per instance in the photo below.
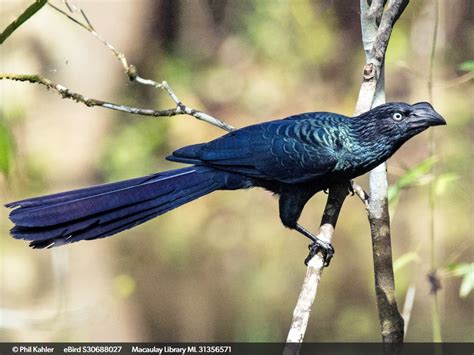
(223, 268)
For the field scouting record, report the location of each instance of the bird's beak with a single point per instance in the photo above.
(424, 115)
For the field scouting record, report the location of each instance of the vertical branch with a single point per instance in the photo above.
(436, 323)
(375, 39)
(376, 25)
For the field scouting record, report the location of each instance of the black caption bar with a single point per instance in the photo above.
(235, 348)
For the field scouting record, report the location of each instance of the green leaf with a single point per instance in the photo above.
(5, 149)
(467, 66)
(417, 175)
(405, 259)
(413, 175)
(393, 192)
(466, 271)
(30, 11)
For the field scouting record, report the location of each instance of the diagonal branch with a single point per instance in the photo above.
(301, 313)
(180, 109)
(131, 72)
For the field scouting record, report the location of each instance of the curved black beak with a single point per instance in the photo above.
(424, 115)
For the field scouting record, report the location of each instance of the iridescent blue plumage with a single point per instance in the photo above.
(294, 150)
(294, 157)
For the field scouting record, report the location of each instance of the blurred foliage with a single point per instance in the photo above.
(443, 182)
(130, 145)
(124, 285)
(420, 175)
(467, 66)
(416, 176)
(466, 272)
(404, 260)
(278, 44)
(6, 148)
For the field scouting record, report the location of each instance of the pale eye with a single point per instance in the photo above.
(397, 116)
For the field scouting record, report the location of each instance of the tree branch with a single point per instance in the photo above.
(131, 72)
(180, 109)
(375, 39)
(360, 192)
(336, 197)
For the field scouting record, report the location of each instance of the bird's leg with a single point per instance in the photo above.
(292, 202)
(351, 187)
(318, 245)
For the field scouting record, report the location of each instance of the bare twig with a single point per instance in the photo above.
(456, 81)
(336, 197)
(376, 9)
(445, 84)
(360, 192)
(180, 108)
(130, 70)
(432, 276)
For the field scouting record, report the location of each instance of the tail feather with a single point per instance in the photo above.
(104, 211)
(77, 207)
(118, 225)
(110, 222)
(79, 193)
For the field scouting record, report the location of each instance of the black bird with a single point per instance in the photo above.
(294, 158)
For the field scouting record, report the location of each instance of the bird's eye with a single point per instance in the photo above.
(397, 116)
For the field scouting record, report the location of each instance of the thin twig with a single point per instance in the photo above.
(66, 93)
(376, 9)
(465, 78)
(435, 316)
(336, 197)
(360, 192)
(445, 84)
(88, 26)
(130, 70)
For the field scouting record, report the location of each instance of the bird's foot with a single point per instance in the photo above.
(320, 246)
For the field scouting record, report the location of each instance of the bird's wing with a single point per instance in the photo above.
(293, 150)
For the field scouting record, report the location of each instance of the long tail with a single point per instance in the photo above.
(104, 210)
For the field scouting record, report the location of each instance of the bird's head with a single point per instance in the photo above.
(400, 121)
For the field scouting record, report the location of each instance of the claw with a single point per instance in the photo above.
(319, 246)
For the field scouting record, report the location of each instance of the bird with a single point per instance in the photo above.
(294, 158)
